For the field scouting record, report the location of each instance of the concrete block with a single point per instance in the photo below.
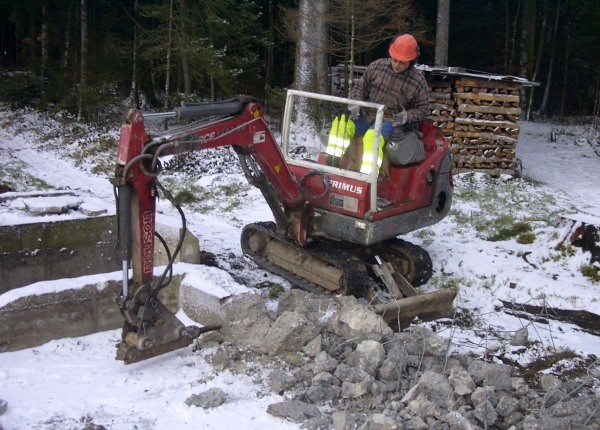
(190, 250)
(35, 319)
(45, 251)
(204, 307)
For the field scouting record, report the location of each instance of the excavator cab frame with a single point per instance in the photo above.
(371, 178)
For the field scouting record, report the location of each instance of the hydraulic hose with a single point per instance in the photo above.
(123, 246)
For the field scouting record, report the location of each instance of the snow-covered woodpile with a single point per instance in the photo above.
(479, 116)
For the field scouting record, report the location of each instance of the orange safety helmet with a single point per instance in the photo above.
(404, 48)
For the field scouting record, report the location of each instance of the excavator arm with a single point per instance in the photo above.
(150, 328)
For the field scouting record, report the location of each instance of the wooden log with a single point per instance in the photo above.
(501, 150)
(463, 131)
(480, 160)
(463, 107)
(500, 138)
(439, 106)
(487, 97)
(487, 83)
(587, 321)
(440, 95)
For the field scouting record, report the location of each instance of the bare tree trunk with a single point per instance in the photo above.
(211, 77)
(310, 71)
(527, 44)
(506, 32)
(135, 91)
(33, 48)
(44, 63)
(514, 38)
(168, 73)
(352, 47)
(596, 106)
(563, 98)
(269, 53)
(538, 55)
(67, 45)
(83, 59)
(547, 88)
(441, 34)
(311, 58)
(185, 66)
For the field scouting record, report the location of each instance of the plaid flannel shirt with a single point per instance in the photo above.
(380, 84)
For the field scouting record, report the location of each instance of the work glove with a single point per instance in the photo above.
(400, 118)
(354, 111)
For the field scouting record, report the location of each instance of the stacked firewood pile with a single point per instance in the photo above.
(479, 117)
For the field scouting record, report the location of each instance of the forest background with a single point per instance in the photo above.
(84, 56)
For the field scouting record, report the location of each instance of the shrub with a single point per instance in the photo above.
(520, 229)
(21, 89)
(591, 271)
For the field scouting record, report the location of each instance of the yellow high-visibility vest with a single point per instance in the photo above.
(342, 131)
(367, 161)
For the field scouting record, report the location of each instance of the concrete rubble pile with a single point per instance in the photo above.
(339, 366)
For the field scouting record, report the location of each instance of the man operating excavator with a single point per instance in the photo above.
(395, 83)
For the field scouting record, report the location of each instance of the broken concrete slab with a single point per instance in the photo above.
(35, 319)
(12, 195)
(71, 248)
(52, 205)
(52, 250)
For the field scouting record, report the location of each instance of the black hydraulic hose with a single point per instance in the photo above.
(123, 199)
(160, 284)
(227, 107)
(168, 251)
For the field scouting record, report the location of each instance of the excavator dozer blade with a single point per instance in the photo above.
(426, 306)
(131, 354)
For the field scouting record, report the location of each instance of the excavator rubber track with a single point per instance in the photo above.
(343, 268)
(320, 268)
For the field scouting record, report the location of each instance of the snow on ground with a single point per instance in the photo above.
(67, 383)
(570, 163)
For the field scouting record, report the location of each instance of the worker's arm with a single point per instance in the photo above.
(417, 107)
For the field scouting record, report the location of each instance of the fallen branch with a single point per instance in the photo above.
(587, 321)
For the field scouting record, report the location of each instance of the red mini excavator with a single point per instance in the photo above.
(334, 229)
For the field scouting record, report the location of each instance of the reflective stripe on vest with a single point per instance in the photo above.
(367, 161)
(342, 130)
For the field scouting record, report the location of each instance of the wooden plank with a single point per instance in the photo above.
(487, 83)
(487, 97)
(440, 95)
(486, 136)
(507, 125)
(440, 106)
(488, 109)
